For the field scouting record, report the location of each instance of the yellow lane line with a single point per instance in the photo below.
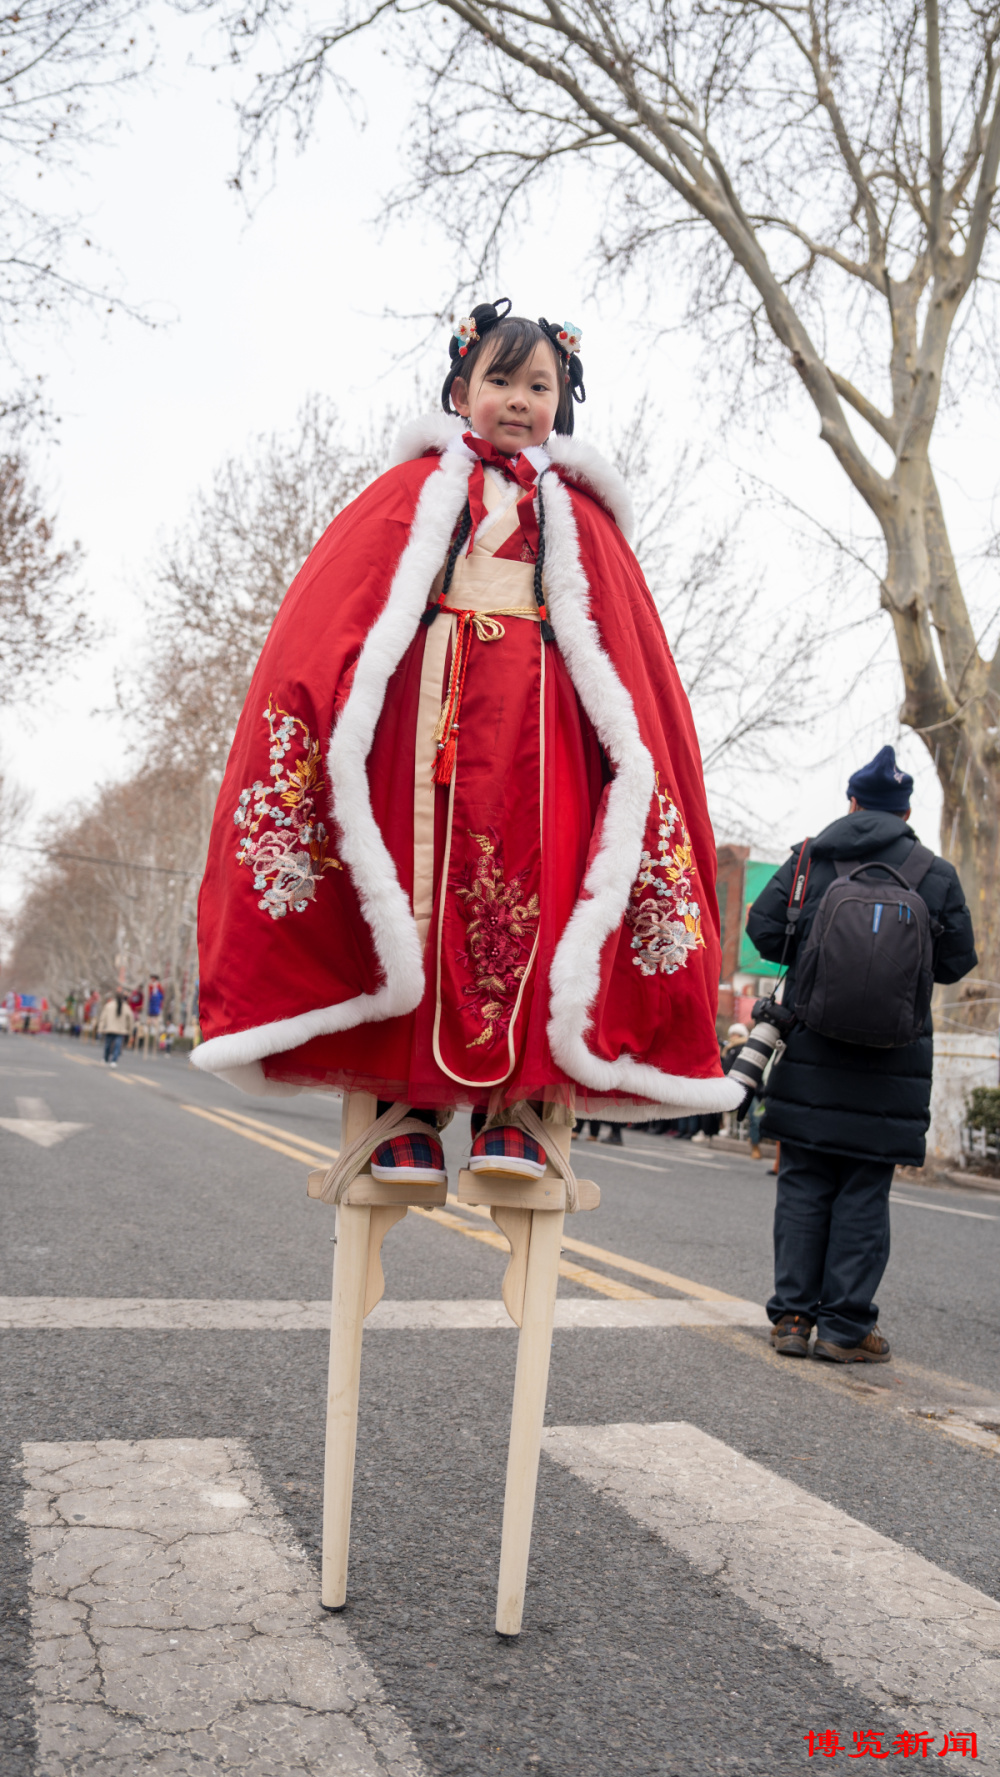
(702, 1292)
(591, 1280)
(234, 1129)
(305, 1141)
(131, 1079)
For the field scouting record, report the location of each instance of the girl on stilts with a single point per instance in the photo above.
(462, 855)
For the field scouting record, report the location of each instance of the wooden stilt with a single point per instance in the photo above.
(530, 1383)
(350, 1273)
(367, 1211)
(530, 1213)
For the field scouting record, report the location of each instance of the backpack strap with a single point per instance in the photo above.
(916, 864)
(911, 871)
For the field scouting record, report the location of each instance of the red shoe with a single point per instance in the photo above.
(509, 1150)
(410, 1160)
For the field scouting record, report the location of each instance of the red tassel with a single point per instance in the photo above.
(445, 764)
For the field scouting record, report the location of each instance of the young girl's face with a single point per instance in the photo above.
(513, 410)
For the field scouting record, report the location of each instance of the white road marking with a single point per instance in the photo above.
(916, 1640)
(942, 1209)
(176, 1626)
(148, 1314)
(36, 1123)
(677, 1150)
(618, 1155)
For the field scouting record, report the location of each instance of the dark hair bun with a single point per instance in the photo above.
(474, 327)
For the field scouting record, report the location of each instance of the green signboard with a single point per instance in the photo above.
(750, 959)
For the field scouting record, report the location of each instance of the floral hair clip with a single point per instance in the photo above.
(566, 339)
(569, 338)
(466, 333)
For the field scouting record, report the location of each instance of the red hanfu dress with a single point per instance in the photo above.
(491, 867)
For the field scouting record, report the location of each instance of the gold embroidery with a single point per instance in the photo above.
(289, 857)
(666, 925)
(500, 929)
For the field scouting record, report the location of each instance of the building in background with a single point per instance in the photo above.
(745, 975)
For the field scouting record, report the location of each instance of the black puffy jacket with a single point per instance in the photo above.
(843, 1097)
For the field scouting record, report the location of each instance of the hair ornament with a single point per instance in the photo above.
(566, 339)
(466, 333)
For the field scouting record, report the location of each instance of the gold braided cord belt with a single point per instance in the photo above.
(488, 628)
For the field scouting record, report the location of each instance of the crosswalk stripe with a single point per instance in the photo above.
(176, 1314)
(175, 1622)
(907, 1634)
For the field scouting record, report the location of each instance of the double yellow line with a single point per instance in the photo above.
(307, 1152)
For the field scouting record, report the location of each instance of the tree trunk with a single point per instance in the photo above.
(950, 705)
(970, 839)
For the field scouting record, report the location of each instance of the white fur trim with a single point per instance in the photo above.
(443, 431)
(250, 1078)
(384, 905)
(709, 1098)
(575, 976)
(583, 463)
(427, 431)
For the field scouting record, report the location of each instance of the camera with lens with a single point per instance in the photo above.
(771, 1023)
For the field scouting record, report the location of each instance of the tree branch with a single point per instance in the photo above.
(885, 427)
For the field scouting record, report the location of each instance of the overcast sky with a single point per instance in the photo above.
(255, 314)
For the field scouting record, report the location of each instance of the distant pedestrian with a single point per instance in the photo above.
(736, 1036)
(850, 1108)
(595, 1125)
(114, 1025)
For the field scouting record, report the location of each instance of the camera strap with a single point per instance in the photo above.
(797, 895)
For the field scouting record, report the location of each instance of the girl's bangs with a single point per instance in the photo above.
(515, 340)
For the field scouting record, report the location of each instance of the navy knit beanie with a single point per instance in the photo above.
(880, 784)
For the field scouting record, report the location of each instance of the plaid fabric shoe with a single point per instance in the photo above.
(508, 1150)
(410, 1160)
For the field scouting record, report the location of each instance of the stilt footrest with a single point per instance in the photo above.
(548, 1192)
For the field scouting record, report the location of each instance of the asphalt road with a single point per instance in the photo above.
(633, 1657)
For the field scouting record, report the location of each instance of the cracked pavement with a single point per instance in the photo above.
(174, 1623)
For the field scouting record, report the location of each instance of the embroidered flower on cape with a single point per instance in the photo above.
(284, 842)
(500, 928)
(663, 912)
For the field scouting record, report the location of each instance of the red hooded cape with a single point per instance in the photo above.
(306, 920)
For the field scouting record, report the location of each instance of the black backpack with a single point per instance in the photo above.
(866, 971)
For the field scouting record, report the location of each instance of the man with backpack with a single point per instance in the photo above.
(867, 919)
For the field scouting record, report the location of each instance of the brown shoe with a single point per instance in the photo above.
(790, 1335)
(874, 1349)
(755, 1152)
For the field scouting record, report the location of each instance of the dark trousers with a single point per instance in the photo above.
(113, 1046)
(831, 1240)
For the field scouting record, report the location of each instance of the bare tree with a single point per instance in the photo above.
(42, 625)
(826, 174)
(218, 585)
(114, 901)
(61, 61)
(748, 687)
